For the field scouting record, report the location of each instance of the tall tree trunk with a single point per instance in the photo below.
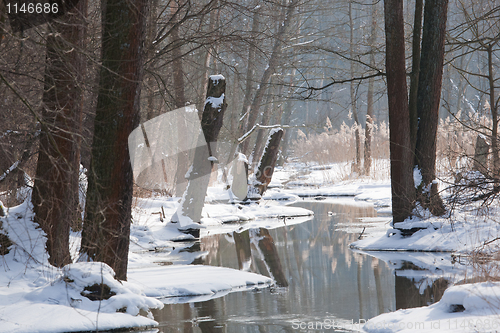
(249, 83)
(354, 107)
(429, 100)
(106, 230)
(55, 192)
(369, 97)
(494, 116)
(193, 199)
(272, 65)
(402, 188)
(180, 101)
(259, 141)
(417, 31)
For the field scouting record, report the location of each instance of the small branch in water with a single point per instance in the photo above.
(362, 232)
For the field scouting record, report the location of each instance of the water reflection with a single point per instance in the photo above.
(318, 278)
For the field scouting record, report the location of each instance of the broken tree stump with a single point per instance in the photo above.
(267, 163)
(188, 215)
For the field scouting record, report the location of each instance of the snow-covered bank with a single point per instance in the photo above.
(32, 290)
(463, 308)
(177, 283)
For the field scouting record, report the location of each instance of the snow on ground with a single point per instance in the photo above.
(468, 229)
(29, 285)
(32, 289)
(463, 308)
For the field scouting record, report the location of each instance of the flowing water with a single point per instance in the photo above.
(321, 284)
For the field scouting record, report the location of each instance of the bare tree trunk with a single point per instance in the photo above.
(415, 71)
(55, 192)
(402, 189)
(193, 199)
(271, 68)
(106, 230)
(429, 100)
(494, 116)
(180, 101)
(369, 98)
(267, 163)
(353, 89)
(259, 141)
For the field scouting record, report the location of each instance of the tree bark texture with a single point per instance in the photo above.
(428, 101)
(55, 192)
(415, 71)
(180, 100)
(402, 188)
(268, 161)
(106, 229)
(494, 116)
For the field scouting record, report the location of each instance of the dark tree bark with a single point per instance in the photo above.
(494, 115)
(106, 229)
(55, 192)
(268, 161)
(417, 32)
(428, 101)
(402, 188)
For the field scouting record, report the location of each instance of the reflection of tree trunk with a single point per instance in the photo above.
(243, 250)
(187, 315)
(55, 194)
(378, 286)
(266, 245)
(208, 309)
(360, 290)
(408, 295)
